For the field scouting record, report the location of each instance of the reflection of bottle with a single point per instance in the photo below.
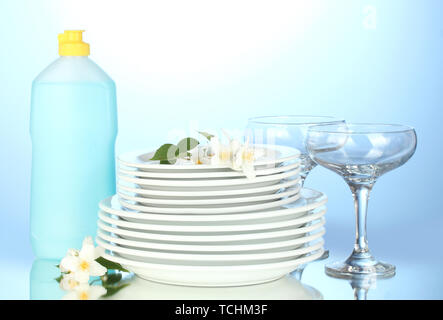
(73, 129)
(42, 284)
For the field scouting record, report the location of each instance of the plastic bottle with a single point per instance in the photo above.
(73, 130)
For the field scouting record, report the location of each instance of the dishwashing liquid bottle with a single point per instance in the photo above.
(73, 128)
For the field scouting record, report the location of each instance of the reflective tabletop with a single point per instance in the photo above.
(414, 280)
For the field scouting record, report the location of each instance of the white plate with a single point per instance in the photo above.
(220, 202)
(213, 194)
(140, 159)
(207, 175)
(256, 246)
(231, 174)
(216, 184)
(212, 210)
(213, 275)
(203, 227)
(202, 239)
(310, 199)
(109, 233)
(150, 256)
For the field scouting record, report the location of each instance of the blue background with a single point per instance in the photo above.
(186, 65)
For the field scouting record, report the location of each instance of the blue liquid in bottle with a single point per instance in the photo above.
(73, 130)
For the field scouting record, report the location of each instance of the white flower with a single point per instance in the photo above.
(208, 154)
(84, 291)
(70, 253)
(68, 282)
(237, 156)
(81, 264)
(243, 158)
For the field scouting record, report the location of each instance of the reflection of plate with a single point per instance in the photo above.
(216, 276)
(272, 156)
(285, 288)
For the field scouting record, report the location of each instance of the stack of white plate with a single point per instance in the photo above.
(205, 225)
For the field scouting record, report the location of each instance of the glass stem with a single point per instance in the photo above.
(360, 294)
(361, 193)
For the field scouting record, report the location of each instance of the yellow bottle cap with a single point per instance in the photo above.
(70, 43)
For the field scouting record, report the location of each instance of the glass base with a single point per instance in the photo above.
(360, 264)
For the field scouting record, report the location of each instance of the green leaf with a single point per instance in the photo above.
(110, 265)
(185, 145)
(109, 279)
(165, 152)
(59, 278)
(206, 135)
(111, 290)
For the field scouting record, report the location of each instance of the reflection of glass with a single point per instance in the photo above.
(288, 131)
(42, 280)
(361, 286)
(361, 153)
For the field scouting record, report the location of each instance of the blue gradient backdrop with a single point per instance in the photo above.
(186, 64)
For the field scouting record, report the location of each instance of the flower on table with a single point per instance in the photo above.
(81, 264)
(78, 266)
